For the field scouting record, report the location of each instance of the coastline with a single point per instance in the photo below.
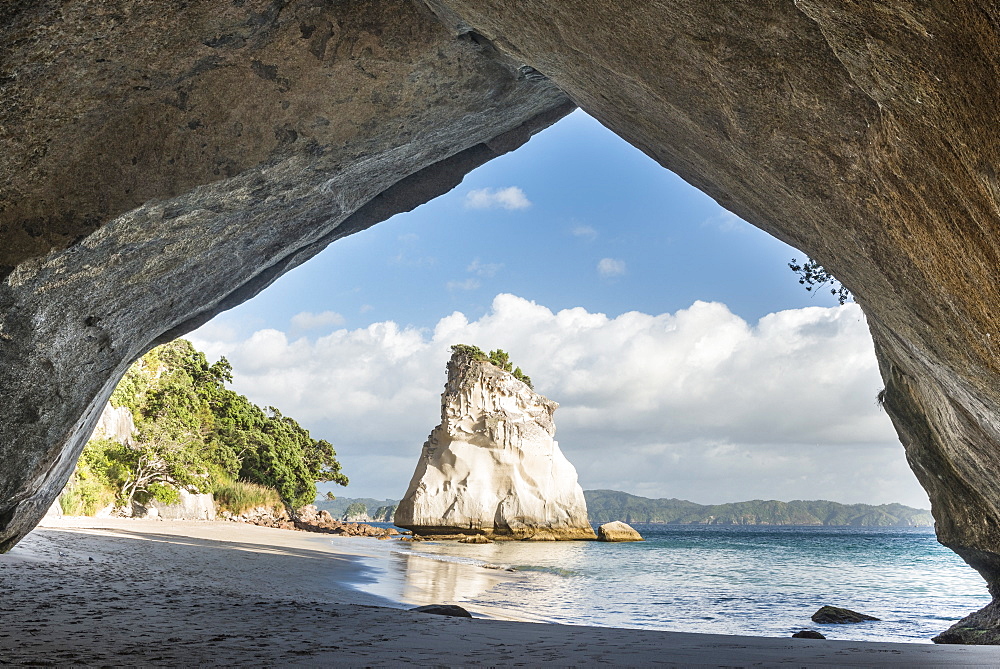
(116, 591)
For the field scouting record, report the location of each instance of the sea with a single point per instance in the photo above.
(714, 579)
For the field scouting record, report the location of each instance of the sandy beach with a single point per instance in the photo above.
(115, 591)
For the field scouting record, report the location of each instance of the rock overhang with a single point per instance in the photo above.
(863, 134)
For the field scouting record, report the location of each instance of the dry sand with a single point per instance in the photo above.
(120, 592)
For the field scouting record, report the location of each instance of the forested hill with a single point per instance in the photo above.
(193, 433)
(607, 505)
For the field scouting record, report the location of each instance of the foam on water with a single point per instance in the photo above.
(755, 580)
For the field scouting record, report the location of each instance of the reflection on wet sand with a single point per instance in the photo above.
(427, 580)
(446, 572)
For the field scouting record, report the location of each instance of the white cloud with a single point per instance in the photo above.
(468, 284)
(608, 267)
(584, 232)
(488, 269)
(727, 221)
(307, 320)
(698, 404)
(404, 260)
(509, 198)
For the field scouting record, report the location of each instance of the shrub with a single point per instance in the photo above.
(497, 357)
(473, 352)
(163, 492)
(85, 497)
(241, 496)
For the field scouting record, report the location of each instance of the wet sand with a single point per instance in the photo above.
(114, 592)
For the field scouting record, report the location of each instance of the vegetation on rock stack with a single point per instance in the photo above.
(192, 431)
(356, 510)
(498, 358)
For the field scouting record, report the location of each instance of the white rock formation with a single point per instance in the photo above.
(192, 506)
(115, 423)
(492, 467)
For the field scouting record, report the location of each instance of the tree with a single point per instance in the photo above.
(500, 359)
(522, 377)
(813, 275)
(474, 352)
(192, 431)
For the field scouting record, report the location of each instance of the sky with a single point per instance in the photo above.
(687, 360)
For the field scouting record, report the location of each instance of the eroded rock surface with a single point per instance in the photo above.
(161, 163)
(492, 466)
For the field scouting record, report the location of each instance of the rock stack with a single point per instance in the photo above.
(492, 466)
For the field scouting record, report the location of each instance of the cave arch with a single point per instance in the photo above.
(159, 167)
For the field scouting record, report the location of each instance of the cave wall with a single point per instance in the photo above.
(161, 163)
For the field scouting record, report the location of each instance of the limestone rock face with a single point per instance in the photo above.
(492, 467)
(160, 163)
(192, 506)
(115, 423)
(618, 531)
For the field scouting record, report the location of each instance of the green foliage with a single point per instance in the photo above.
(474, 352)
(89, 489)
(167, 494)
(604, 506)
(241, 496)
(498, 358)
(192, 431)
(813, 275)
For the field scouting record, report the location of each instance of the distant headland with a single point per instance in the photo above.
(604, 506)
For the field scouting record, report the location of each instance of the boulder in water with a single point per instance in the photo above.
(618, 531)
(838, 616)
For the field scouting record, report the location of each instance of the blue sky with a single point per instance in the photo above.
(592, 196)
(687, 359)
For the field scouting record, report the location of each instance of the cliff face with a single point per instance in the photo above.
(115, 423)
(492, 467)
